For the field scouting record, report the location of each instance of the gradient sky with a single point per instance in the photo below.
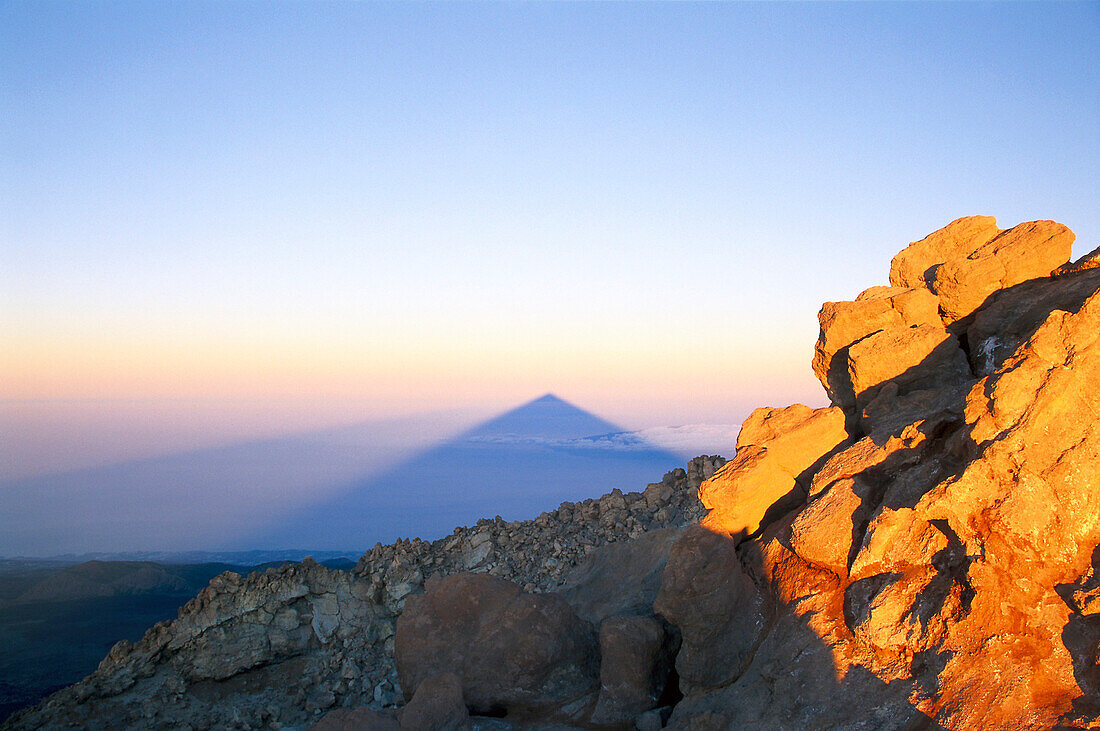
(368, 209)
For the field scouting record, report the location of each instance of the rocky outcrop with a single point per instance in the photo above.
(282, 647)
(941, 570)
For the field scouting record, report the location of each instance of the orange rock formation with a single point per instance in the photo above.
(937, 561)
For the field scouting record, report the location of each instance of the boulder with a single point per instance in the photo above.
(635, 659)
(524, 654)
(916, 264)
(774, 449)
(620, 578)
(887, 359)
(842, 324)
(719, 611)
(1027, 251)
(437, 705)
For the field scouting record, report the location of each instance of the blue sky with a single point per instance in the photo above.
(637, 206)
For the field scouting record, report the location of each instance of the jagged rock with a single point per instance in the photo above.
(524, 653)
(887, 359)
(774, 449)
(937, 569)
(720, 612)
(1027, 251)
(942, 572)
(1090, 260)
(1012, 315)
(437, 705)
(843, 324)
(634, 665)
(916, 264)
(330, 634)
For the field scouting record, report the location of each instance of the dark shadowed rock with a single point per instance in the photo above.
(620, 578)
(720, 612)
(437, 705)
(1012, 315)
(634, 665)
(522, 653)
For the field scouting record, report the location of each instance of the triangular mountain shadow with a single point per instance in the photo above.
(516, 465)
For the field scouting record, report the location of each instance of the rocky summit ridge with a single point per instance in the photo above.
(921, 554)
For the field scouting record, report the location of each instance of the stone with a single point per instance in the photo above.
(634, 665)
(1012, 315)
(514, 651)
(775, 448)
(620, 578)
(843, 324)
(437, 704)
(1027, 251)
(1090, 260)
(916, 264)
(720, 613)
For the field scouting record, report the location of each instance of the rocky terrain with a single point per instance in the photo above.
(278, 648)
(923, 553)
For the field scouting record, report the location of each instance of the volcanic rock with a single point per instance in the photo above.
(942, 569)
(775, 448)
(916, 265)
(635, 659)
(719, 610)
(525, 654)
(1027, 251)
(620, 578)
(290, 644)
(437, 704)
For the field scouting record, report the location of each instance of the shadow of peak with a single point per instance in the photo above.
(547, 416)
(517, 464)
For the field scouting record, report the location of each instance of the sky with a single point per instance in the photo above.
(221, 221)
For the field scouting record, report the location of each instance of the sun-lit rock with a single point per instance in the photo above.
(1027, 251)
(774, 450)
(916, 264)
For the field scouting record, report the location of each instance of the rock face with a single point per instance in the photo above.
(941, 570)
